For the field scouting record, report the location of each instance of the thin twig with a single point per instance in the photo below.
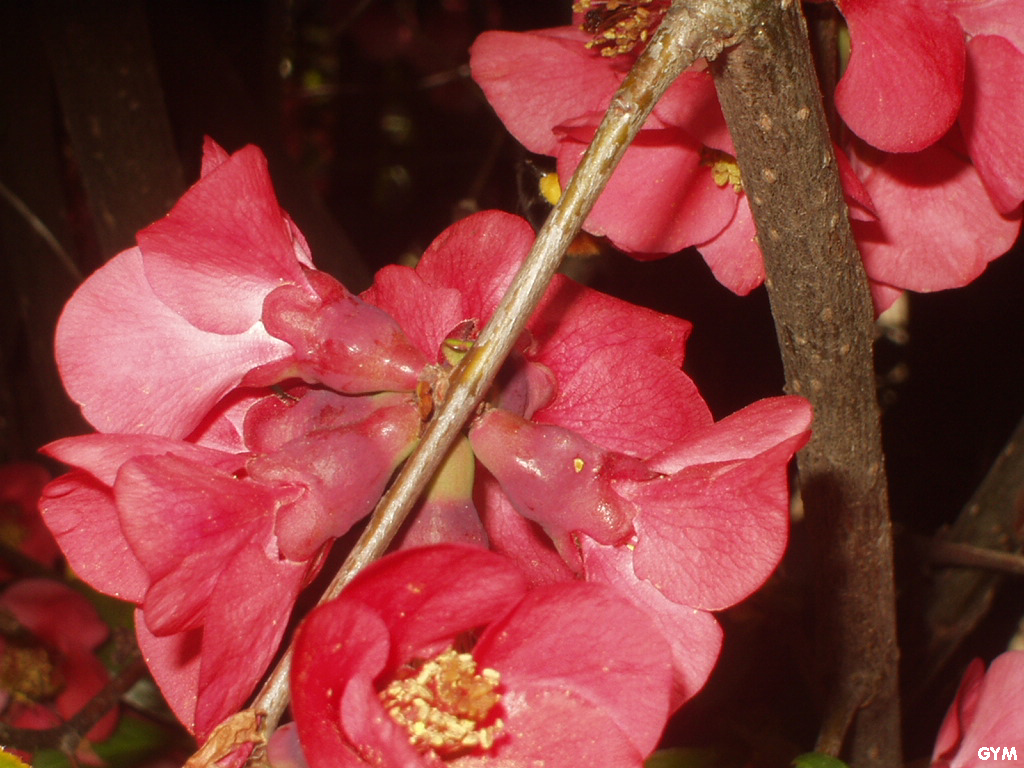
(42, 230)
(955, 553)
(689, 31)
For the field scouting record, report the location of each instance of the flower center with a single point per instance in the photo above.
(446, 705)
(619, 26)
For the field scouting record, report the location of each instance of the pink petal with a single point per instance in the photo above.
(630, 403)
(743, 435)
(712, 534)
(86, 678)
(535, 81)
(1004, 18)
(555, 477)
(244, 624)
(557, 728)
(691, 103)
(660, 199)
(340, 644)
(185, 522)
(993, 712)
(694, 636)
(428, 596)
(173, 661)
(902, 89)
(936, 228)
(135, 365)
(81, 514)
(993, 118)
(56, 614)
(427, 313)
(478, 256)
(223, 247)
(519, 539)
(338, 340)
(327, 497)
(103, 455)
(733, 254)
(961, 712)
(537, 647)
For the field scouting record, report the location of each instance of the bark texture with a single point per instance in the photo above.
(824, 321)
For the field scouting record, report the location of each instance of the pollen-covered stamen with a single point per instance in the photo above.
(446, 705)
(724, 168)
(619, 26)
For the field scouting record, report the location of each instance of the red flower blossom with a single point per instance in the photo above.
(444, 652)
(987, 714)
(49, 679)
(694, 528)
(676, 185)
(214, 535)
(217, 294)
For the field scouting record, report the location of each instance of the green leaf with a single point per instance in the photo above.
(683, 757)
(817, 760)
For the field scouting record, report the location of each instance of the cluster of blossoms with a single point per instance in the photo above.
(250, 410)
(929, 157)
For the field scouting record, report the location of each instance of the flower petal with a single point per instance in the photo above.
(538, 80)
(993, 118)
(135, 365)
(936, 228)
(902, 89)
(223, 247)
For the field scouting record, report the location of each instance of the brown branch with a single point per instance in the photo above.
(690, 31)
(824, 317)
(959, 598)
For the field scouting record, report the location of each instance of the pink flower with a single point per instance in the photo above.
(218, 293)
(444, 652)
(677, 185)
(694, 528)
(214, 547)
(211, 511)
(48, 680)
(987, 714)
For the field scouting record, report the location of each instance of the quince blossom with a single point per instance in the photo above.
(925, 221)
(49, 679)
(241, 436)
(444, 652)
(987, 714)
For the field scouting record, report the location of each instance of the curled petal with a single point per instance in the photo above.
(135, 365)
(555, 477)
(337, 340)
(902, 89)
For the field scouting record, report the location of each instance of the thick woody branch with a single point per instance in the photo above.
(824, 317)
